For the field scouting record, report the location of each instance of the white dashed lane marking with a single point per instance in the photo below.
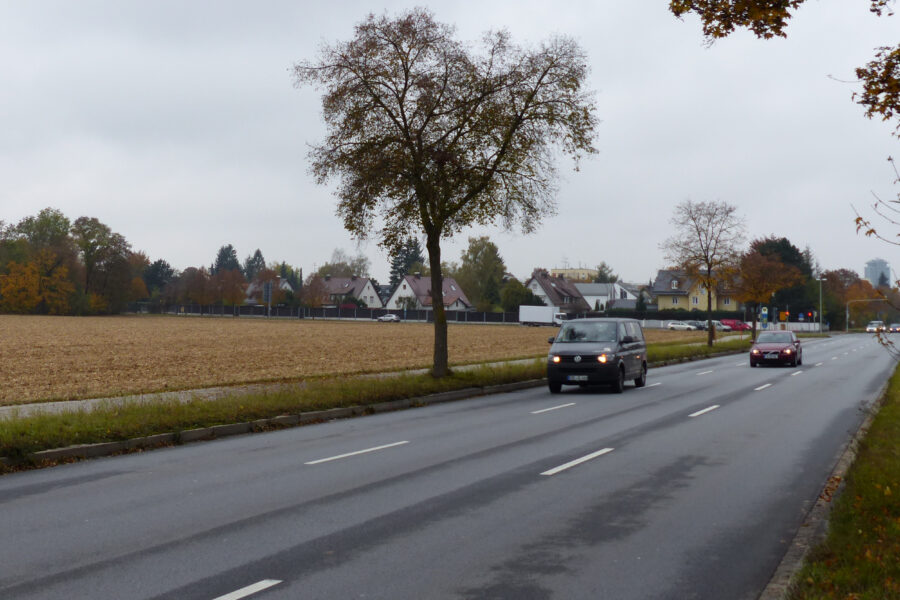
(358, 452)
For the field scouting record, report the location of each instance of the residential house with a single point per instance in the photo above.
(557, 291)
(414, 292)
(600, 296)
(340, 289)
(254, 293)
(597, 295)
(675, 289)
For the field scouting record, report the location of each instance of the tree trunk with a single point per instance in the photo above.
(711, 331)
(433, 244)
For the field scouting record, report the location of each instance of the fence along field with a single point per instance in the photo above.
(63, 358)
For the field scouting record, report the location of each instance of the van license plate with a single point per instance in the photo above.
(578, 377)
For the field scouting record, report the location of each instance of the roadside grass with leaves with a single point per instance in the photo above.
(860, 558)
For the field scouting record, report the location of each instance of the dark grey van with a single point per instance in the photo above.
(593, 351)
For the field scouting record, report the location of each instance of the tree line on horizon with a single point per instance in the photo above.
(51, 265)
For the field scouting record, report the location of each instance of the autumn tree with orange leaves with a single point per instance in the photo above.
(759, 277)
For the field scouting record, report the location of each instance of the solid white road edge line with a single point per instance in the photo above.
(543, 410)
(577, 461)
(819, 364)
(762, 387)
(704, 411)
(796, 373)
(654, 384)
(375, 449)
(250, 590)
(704, 372)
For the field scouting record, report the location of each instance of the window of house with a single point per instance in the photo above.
(674, 284)
(404, 286)
(675, 300)
(726, 301)
(695, 300)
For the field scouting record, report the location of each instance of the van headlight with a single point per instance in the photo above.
(602, 358)
(555, 359)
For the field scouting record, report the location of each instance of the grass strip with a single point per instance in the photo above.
(116, 422)
(860, 557)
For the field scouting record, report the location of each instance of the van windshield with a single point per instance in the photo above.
(587, 332)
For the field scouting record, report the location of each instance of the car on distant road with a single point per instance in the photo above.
(776, 348)
(592, 351)
(389, 318)
(680, 326)
(894, 327)
(736, 324)
(720, 326)
(697, 324)
(875, 326)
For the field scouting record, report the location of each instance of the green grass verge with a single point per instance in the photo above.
(860, 558)
(20, 437)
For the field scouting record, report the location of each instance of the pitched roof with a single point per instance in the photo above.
(596, 289)
(421, 289)
(559, 291)
(345, 286)
(663, 284)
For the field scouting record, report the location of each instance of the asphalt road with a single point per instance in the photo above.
(689, 488)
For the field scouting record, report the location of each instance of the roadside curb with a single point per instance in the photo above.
(85, 451)
(815, 523)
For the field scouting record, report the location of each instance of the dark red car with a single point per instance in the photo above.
(776, 348)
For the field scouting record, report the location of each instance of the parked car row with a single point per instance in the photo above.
(723, 325)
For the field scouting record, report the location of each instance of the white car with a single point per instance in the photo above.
(681, 326)
(875, 326)
(389, 318)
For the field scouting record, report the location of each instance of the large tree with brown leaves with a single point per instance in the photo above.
(426, 134)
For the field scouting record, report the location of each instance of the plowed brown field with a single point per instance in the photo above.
(56, 358)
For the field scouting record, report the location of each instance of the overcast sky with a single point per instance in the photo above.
(178, 125)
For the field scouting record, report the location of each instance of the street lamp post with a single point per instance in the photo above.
(820, 304)
(849, 302)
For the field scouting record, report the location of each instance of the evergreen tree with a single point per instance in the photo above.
(226, 260)
(254, 265)
(403, 258)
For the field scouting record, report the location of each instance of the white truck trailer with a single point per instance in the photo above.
(540, 315)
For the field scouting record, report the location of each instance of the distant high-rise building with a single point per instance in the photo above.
(878, 272)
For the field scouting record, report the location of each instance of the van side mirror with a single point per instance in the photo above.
(550, 340)
(627, 340)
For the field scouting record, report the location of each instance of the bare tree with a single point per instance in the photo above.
(434, 137)
(706, 244)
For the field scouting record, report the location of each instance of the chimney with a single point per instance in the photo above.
(353, 278)
(418, 275)
(327, 277)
